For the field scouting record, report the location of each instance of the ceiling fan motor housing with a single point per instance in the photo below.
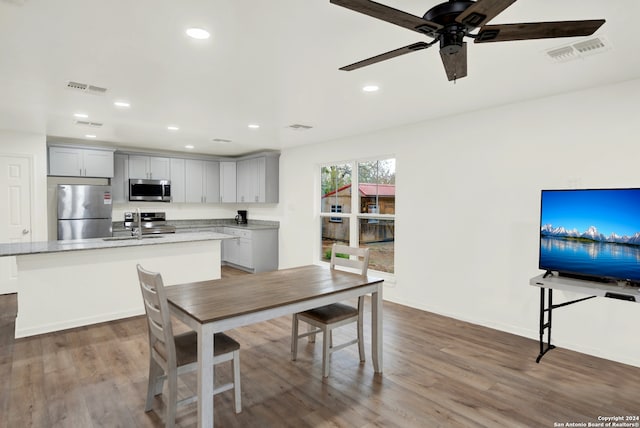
(452, 35)
(446, 13)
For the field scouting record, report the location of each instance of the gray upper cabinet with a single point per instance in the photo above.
(149, 167)
(227, 182)
(257, 180)
(197, 181)
(120, 180)
(80, 162)
(178, 184)
(202, 180)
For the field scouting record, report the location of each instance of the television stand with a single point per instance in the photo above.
(548, 282)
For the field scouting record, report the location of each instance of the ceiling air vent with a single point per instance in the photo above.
(577, 50)
(299, 127)
(89, 89)
(220, 140)
(87, 123)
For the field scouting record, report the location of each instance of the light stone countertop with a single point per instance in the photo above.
(19, 249)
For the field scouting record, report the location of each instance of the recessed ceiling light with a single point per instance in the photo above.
(90, 136)
(172, 128)
(254, 126)
(124, 104)
(198, 33)
(189, 146)
(370, 88)
(81, 115)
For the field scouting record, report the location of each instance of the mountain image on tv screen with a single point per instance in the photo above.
(591, 232)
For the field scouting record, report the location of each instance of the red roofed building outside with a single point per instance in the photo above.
(374, 199)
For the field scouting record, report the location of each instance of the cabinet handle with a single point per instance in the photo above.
(80, 173)
(85, 172)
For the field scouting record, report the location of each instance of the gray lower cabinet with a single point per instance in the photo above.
(252, 250)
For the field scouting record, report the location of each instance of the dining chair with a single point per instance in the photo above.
(329, 317)
(170, 356)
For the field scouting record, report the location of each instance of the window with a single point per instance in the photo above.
(368, 219)
(336, 209)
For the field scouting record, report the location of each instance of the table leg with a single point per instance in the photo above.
(376, 329)
(205, 377)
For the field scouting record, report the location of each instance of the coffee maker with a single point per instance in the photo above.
(241, 218)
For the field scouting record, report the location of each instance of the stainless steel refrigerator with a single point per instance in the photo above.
(84, 211)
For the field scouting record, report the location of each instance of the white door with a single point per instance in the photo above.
(15, 218)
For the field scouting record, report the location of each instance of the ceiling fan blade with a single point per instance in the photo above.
(388, 55)
(391, 15)
(537, 30)
(455, 65)
(482, 12)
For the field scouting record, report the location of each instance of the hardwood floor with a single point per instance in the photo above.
(438, 372)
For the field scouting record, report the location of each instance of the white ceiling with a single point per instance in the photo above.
(274, 63)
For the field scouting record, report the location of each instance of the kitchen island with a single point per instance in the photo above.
(65, 284)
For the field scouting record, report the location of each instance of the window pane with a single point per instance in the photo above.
(377, 186)
(333, 233)
(336, 188)
(378, 235)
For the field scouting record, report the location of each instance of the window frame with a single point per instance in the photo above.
(355, 215)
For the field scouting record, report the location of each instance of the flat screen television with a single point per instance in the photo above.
(592, 234)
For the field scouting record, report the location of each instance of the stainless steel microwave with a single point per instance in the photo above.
(149, 190)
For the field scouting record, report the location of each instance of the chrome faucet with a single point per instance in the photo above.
(138, 232)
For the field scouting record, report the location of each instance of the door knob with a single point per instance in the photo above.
(25, 231)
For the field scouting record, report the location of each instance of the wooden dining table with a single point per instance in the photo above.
(218, 305)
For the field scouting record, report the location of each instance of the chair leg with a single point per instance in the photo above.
(312, 337)
(326, 354)
(236, 381)
(155, 373)
(360, 330)
(294, 337)
(172, 404)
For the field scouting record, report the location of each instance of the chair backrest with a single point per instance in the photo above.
(341, 256)
(161, 341)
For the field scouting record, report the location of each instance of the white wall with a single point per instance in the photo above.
(468, 208)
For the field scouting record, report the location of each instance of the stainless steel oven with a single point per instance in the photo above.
(149, 190)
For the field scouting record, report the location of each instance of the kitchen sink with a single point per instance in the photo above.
(126, 238)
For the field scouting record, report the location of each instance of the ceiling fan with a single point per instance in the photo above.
(450, 22)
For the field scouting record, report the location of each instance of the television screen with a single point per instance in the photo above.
(593, 233)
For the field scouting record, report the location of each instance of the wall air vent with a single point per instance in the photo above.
(87, 123)
(592, 46)
(299, 127)
(89, 89)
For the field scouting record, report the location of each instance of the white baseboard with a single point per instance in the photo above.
(80, 322)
